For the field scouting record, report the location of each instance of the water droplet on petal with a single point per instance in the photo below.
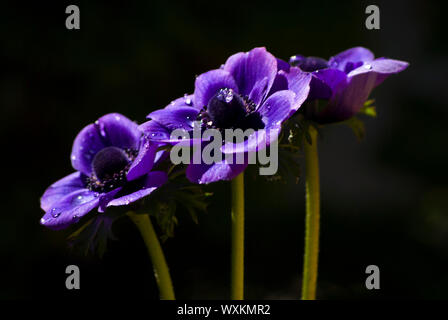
(100, 126)
(43, 221)
(55, 212)
(368, 66)
(187, 100)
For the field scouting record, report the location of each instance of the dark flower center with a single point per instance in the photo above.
(230, 110)
(109, 167)
(109, 161)
(308, 64)
(226, 108)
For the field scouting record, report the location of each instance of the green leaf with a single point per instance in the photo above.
(289, 151)
(288, 165)
(165, 201)
(297, 127)
(193, 199)
(165, 216)
(357, 126)
(93, 236)
(368, 109)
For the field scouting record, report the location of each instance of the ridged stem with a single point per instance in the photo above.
(312, 217)
(237, 263)
(160, 267)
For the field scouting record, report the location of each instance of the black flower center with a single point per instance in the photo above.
(308, 64)
(109, 167)
(109, 161)
(226, 109)
(230, 110)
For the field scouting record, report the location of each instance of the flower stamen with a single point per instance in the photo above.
(110, 167)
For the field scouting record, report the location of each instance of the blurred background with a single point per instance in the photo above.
(384, 199)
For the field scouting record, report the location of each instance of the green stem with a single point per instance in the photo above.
(312, 217)
(161, 271)
(237, 277)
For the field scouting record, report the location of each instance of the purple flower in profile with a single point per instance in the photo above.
(113, 162)
(250, 91)
(345, 80)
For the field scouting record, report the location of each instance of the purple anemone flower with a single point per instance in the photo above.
(250, 91)
(345, 80)
(113, 163)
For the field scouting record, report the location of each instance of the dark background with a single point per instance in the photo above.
(384, 200)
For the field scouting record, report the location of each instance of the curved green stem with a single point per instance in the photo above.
(237, 272)
(161, 271)
(312, 217)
